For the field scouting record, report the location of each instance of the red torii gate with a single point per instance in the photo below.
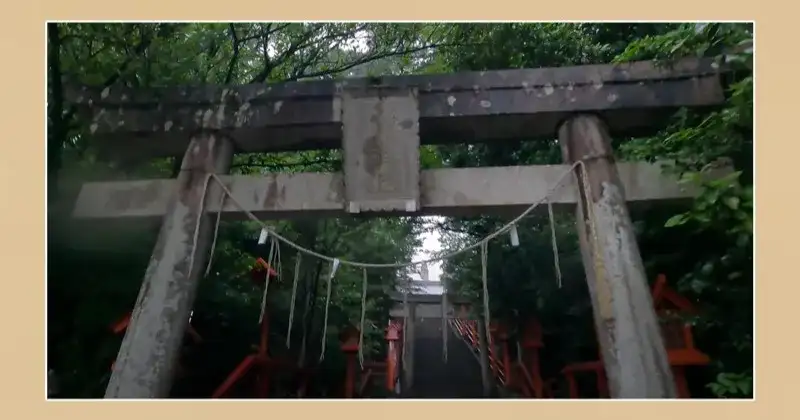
(678, 337)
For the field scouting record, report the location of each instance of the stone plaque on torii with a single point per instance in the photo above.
(380, 125)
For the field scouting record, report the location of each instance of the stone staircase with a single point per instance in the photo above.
(458, 377)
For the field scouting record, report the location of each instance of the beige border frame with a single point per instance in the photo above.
(23, 170)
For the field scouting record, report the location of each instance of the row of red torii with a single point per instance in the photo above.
(521, 374)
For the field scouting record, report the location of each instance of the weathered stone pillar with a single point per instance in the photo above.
(628, 332)
(147, 357)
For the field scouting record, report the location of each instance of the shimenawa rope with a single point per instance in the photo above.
(336, 261)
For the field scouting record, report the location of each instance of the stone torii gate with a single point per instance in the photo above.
(379, 124)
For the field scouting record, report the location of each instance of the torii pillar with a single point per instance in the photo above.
(627, 328)
(149, 352)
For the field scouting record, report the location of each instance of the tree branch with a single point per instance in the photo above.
(137, 51)
(263, 34)
(364, 60)
(234, 57)
(293, 48)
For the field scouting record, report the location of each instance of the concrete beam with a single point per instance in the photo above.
(449, 192)
(467, 107)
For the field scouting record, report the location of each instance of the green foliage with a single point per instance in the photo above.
(722, 274)
(690, 39)
(732, 385)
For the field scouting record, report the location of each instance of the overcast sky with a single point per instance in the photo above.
(431, 243)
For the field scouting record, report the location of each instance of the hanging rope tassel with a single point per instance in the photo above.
(484, 278)
(514, 235)
(277, 260)
(294, 296)
(363, 318)
(587, 189)
(554, 241)
(216, 231)
(334, 267)
(270, 260)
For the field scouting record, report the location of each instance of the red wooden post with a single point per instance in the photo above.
(680, 382)
(349, 341)
(677, 337)
(259, 361)
(392, 337)
(573, 386)
(259, 271)
(677, 334)
(237, 374)
(263, 342)
(531, 343)
(262, 384)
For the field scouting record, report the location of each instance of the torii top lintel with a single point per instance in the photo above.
(633, 98)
